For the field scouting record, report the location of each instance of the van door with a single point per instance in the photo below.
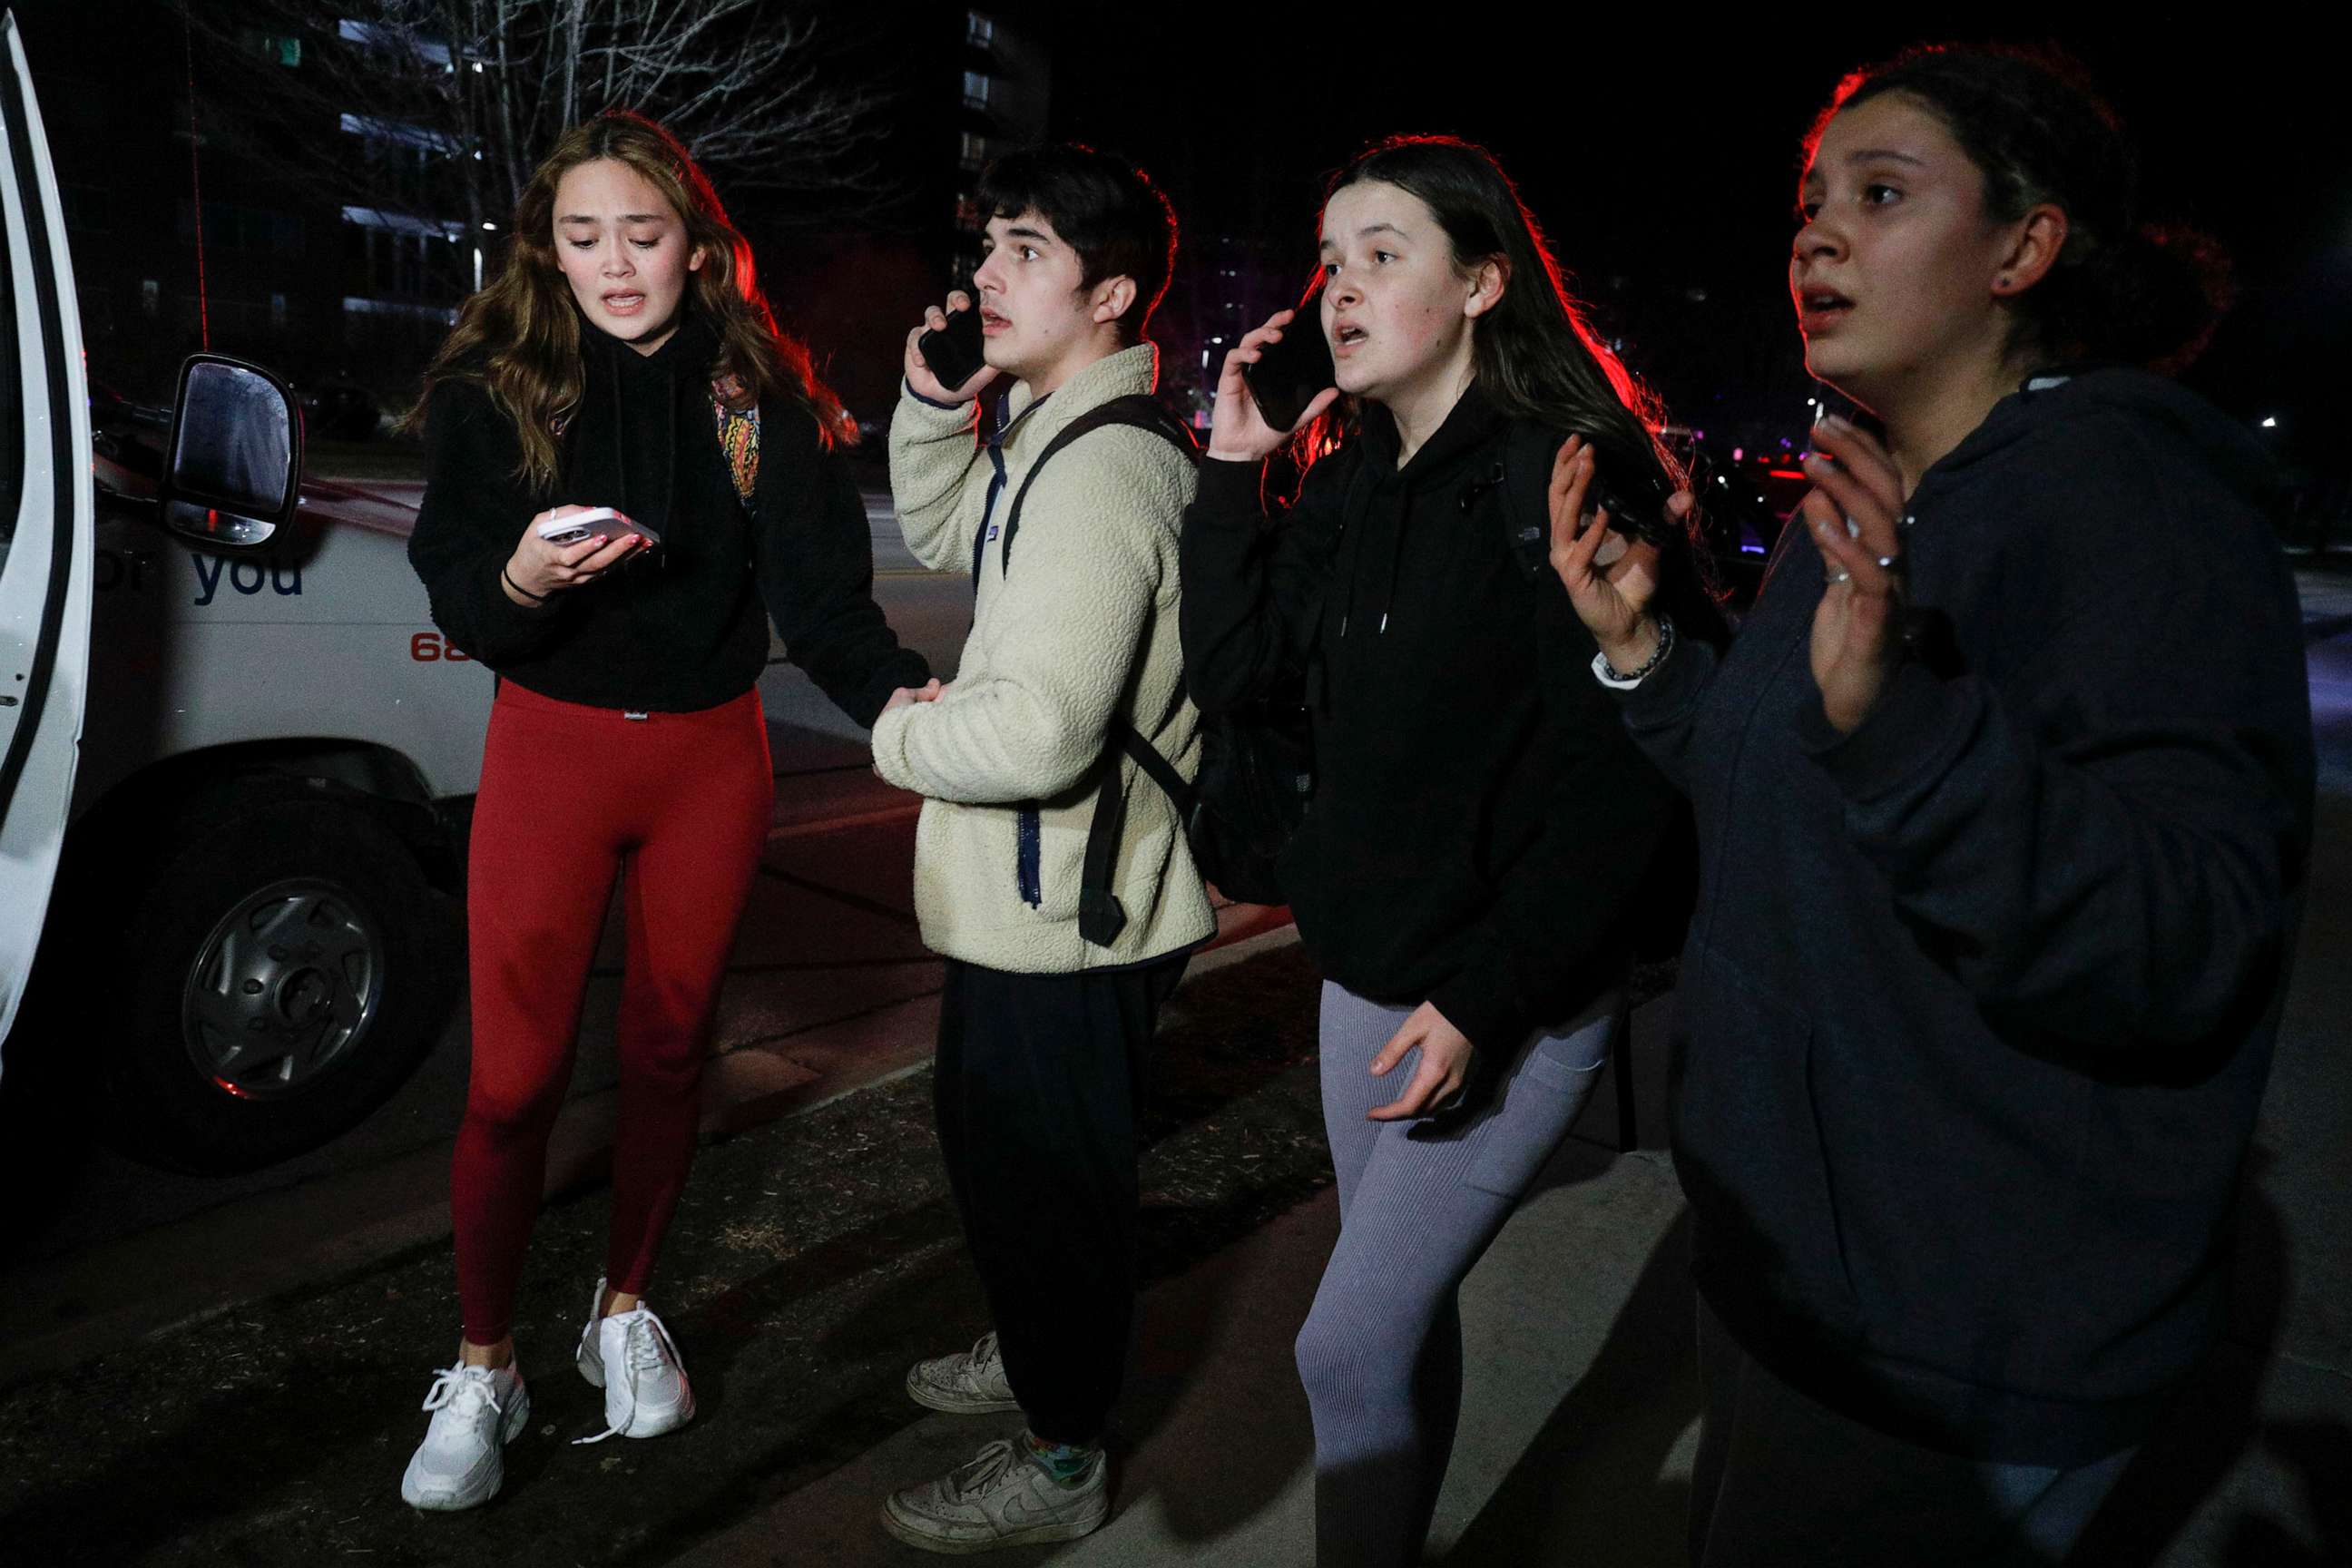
(45, 537)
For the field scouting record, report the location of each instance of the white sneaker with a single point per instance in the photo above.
(969, 1382)
(632, 1359)
(476, 1414)
(1003, 1498)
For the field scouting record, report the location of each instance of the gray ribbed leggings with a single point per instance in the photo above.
(1419, 1202)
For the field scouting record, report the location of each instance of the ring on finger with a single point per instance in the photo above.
(1841, 575)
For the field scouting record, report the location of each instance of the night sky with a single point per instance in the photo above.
(1657, 145)
(1665, 152)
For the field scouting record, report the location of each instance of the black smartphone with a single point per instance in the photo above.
(1288, 374)
(953, 351)
(1636, 496)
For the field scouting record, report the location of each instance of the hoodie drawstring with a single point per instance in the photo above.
(1383, 588)
(1396, 556)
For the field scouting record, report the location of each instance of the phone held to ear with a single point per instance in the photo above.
(574, 527)
(953, 352)
(1289, 373)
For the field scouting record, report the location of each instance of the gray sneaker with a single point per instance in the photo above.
(969, 1382)
(1001, 1497)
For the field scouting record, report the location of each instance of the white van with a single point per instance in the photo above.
(248, 946)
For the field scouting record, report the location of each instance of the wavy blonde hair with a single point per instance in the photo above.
(518, 337)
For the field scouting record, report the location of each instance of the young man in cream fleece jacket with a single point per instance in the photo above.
(1043, 1035)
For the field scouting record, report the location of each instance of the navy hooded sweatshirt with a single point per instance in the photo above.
(1978, 1001)
(682, 629)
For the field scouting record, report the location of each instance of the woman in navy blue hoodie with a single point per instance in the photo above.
(2004, 795)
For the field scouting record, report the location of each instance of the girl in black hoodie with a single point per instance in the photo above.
(1480, 822)
(2003, 793)
(624, 358)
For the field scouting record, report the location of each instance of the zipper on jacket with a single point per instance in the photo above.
(994, 445)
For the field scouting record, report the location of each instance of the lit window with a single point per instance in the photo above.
(278, 50)
(975, 150)
(979, 31)
(975, 90)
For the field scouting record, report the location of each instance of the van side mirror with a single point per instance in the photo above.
(234, 465)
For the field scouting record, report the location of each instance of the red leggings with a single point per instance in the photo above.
(570, 795)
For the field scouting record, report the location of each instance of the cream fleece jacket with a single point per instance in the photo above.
(1082, 628)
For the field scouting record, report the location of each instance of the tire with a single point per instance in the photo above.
(283, 969)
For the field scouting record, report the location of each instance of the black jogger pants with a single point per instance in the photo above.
(1038, 1085)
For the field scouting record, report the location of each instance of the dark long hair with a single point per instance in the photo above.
(1536, 358)
(520, 336)
(2038, 131)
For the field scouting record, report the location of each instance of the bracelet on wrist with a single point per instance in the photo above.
(1657, 654)
(508, 579)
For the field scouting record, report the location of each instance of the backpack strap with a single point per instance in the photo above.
(1101, 916)
(1528, 452)
(1138, 411)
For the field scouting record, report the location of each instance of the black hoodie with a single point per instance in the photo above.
(682, 629)
(1979, 1000)
(1480, 820)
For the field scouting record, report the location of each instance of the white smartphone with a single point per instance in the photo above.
(574, 527)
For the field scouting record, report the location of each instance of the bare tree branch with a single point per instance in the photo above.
(446, 105)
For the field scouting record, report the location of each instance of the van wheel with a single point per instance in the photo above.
(280, 974)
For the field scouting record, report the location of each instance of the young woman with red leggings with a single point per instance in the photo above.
(623, 358)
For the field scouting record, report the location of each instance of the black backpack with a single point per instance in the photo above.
(1254, 775)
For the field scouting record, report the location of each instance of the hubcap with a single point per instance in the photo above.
(283, 989)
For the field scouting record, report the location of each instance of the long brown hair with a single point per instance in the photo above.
(520, 336)
(1535, 357)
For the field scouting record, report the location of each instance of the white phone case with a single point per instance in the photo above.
(574, 527)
